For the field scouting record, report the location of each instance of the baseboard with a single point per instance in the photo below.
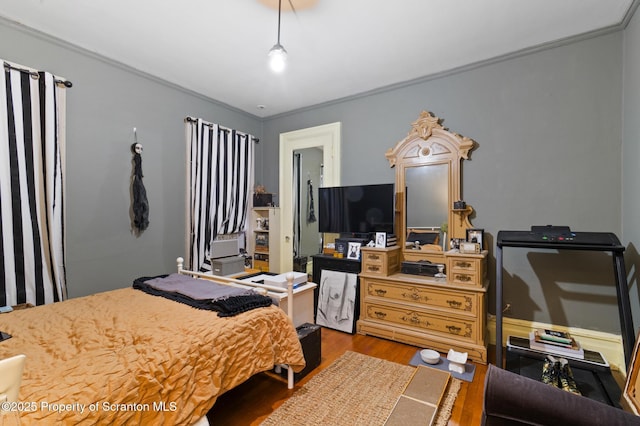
(609, 345)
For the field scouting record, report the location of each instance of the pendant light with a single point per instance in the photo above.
(277, 54)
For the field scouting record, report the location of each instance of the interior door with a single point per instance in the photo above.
(325, 137)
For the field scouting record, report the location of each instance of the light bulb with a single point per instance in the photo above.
(277, 58)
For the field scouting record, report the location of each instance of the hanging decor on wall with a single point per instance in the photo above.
(311, 212)
(140, 205)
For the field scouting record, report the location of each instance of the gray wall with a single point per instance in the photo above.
(630, 156)
(548, 125)
(105, 104)
(548, 128)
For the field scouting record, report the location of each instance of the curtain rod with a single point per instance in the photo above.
(35, 74)
(225, 129)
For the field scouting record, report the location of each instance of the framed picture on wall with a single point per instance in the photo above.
(354, 251)
(336, 300)
(475, 235)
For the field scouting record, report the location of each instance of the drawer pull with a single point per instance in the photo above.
(373, 268)
(373, 257)
(466, 265)
(380, 315)
(415, 296)
(414, 319)
(463, 278)
(454, 304)
(380, 292)
(453, 329)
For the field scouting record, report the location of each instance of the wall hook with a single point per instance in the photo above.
(136, 147)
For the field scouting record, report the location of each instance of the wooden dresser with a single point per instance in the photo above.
(437, 313)
(430, 217)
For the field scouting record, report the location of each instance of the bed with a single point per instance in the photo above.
(128, 357)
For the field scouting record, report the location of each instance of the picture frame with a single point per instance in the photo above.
(338, 301)
(262, 241)
(476, 235)
(454, 243)
(381, 239)
(632, 383)
(354, 251)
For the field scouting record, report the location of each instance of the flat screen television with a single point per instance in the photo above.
(358, 209)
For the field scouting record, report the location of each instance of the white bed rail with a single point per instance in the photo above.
(244, 284)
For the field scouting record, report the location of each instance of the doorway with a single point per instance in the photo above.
(307, 178)
(325, 139)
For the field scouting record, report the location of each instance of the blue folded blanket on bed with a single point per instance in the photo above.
(202, 294)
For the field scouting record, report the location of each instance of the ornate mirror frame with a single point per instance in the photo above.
(429, 143)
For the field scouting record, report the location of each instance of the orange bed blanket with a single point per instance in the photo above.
(126, 357)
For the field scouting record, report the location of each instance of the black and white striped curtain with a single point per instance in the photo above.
(32, 115)
(220, 180)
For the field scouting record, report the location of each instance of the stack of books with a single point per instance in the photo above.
(391, 240)
(555, 343)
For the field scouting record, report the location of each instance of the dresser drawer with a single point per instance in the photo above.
(382, 262)
(463, 278)
(374, 269)
(373, 257)
(455, 301)
(465, 329)
(466, 270)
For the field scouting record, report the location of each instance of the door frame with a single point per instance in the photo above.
(327, 137)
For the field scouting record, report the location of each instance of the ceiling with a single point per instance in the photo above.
(337, 48)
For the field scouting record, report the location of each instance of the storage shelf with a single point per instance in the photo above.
(267, 248)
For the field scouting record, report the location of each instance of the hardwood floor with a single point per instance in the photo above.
(253, 401)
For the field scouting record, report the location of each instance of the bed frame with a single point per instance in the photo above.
(275, 292)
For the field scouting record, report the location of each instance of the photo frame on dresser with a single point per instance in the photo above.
(475, 235)
(336, 300)
(354, 251)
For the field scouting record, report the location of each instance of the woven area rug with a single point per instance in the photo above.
(355, 390)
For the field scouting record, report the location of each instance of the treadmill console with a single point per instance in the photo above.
(553, 233)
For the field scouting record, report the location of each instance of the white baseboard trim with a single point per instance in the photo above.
(609, 345)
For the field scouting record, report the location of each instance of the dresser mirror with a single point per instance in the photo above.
(427, 186)
(428, 165)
